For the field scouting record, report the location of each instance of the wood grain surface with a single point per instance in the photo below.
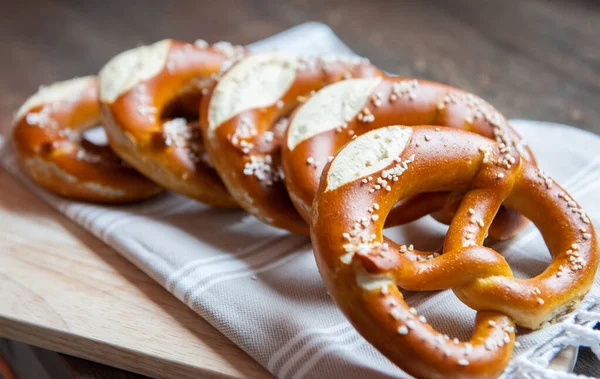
(64, 290)
(536, 59)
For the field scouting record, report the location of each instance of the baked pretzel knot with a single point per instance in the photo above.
(364, 271)
(48, 135)
(150, 98)
(341, 111)
(245, 116)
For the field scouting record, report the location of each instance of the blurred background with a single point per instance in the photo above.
(535, 59)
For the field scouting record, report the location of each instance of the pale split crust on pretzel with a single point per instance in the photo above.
(364, 271)
(48, 138)
(138, 86)
(344, 110)
(245, 116)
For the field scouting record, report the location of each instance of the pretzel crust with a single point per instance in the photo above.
(48, 138)
(243, 120)
(139, 87)
(403, 101)
(363, 270)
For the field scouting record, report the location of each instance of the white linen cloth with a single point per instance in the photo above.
(260, 286)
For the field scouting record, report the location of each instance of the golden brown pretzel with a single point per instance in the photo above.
(5, 371)
(364, 271)
(150, 97)
(48, 137)
(244, 118)
(350, 108)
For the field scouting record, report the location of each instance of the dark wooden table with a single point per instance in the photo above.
(537, 59)
(531, 59)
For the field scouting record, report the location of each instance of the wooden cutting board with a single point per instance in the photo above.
(64, 290)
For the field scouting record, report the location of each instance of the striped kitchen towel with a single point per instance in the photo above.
(260, 286)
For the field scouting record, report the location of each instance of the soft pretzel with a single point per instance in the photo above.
(244, 118)
(365, 271)
(150, 97)
(51, 148)
(341, 111)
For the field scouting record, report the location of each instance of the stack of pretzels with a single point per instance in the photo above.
(333, 148)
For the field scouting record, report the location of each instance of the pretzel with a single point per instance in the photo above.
(347, 109)
(52, 149)
(150, 98)
(5, 371)
(244, 117)
(365, 271)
